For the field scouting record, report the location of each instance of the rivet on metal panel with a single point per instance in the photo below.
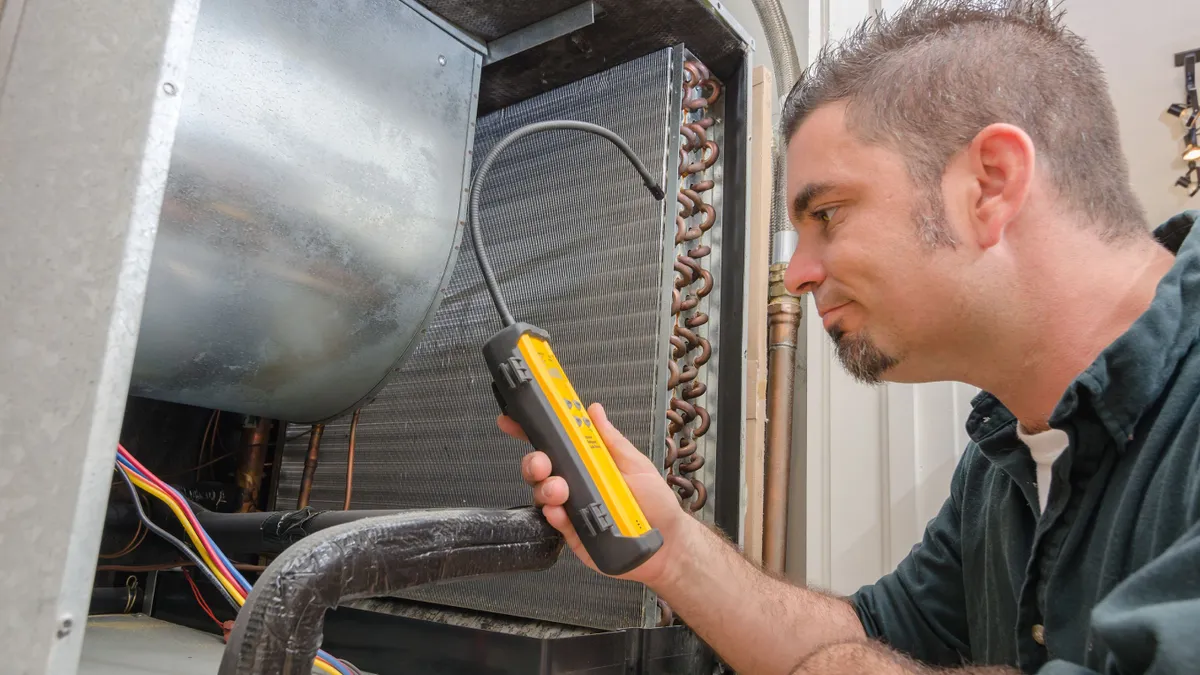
(441, 60)
(169, 88)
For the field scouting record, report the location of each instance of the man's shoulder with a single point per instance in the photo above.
(974, 477)
(1172, 425)
(1179, 403)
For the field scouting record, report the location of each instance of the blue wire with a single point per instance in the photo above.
(237, 575)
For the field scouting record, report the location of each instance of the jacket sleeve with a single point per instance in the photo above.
(1150, 623)
(920, 608)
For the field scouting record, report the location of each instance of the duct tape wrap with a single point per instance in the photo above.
(284, 528)
(279, 629)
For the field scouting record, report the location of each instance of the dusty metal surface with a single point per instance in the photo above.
(134, 643)
(623, 30)
(550, 28)
(312, 208)
(578, 245)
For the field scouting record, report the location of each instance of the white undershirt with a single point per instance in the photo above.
(1044, 447)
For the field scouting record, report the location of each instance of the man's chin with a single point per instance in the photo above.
(861, 358)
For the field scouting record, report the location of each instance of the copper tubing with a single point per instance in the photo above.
(350, 460)
(310, 465)
(687, 419)
(783, 324)
(251, 462)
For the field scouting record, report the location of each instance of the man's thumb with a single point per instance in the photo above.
(626, 456)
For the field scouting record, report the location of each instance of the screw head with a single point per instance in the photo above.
(169, 88)
(441, 60)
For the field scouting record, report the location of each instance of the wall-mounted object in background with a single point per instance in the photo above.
(1187, 113)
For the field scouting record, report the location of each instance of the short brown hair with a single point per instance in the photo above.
(927, 79)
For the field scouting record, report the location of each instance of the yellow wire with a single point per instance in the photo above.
(320, 663)
(234, 591)
(191, 532)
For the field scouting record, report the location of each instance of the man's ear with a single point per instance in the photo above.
(1001, 161)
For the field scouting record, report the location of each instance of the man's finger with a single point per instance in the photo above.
(510, 427)
(535, 467)
(628, 459)
(557, 517)
(552, 491)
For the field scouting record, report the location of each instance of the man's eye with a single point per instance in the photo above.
(824, 215)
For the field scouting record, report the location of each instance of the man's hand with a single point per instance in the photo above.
(758, 624)
(657, 500)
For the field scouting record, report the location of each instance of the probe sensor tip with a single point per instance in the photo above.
(657, 192)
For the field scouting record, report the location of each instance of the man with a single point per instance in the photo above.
(964, 213)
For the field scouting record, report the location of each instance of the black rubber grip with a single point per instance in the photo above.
(523, 399)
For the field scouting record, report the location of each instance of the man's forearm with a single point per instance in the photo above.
(865, 657)
(758, 624)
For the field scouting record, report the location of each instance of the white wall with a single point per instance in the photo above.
(1135, 43)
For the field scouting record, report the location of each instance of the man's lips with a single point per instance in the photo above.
(829, 316)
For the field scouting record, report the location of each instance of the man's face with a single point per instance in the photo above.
(874, 251)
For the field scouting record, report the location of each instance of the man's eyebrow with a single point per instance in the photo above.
(806, 195)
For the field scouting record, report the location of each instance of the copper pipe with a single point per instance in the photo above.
(252, 461)
(783, 324)
(350, 460)
(310, 465)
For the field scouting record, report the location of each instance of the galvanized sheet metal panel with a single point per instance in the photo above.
(312, 207)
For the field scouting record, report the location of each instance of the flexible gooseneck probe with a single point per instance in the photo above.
(485, 267)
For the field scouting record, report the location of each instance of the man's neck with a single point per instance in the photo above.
(1069, 313)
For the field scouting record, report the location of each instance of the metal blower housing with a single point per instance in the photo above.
(313, 206)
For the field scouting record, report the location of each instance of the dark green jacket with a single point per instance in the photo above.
(1109, 577)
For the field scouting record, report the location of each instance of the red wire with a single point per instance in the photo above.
(187, 511)
(200, 599)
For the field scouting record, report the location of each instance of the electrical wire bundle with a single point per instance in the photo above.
(211, 561)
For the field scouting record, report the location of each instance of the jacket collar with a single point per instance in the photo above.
(1131, 373)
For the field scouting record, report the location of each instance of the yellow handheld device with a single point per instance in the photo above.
(532, 389)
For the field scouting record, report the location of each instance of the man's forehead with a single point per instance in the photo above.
(819, 153)
(824, 151)
(823, 128)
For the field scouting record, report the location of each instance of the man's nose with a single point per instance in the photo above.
(805, 270)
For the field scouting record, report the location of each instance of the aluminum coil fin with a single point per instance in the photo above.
(579, 247)
(312, 206)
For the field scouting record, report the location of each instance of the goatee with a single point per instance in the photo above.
(860, 357)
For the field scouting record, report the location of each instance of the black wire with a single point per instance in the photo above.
(183, 548)
(489, 277)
